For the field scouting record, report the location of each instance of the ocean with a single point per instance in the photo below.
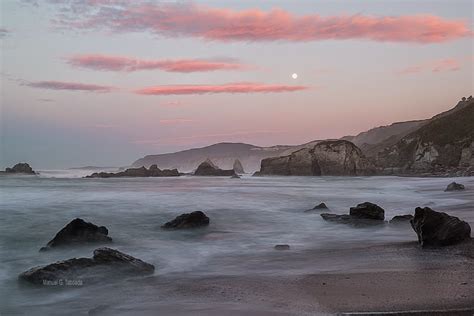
(248, 217)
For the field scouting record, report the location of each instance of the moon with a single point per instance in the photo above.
(294, 76)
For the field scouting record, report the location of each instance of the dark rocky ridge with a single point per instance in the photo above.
(105, 263)
(327, 158)
(153, 171)
(442, 146)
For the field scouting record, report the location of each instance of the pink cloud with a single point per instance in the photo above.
(119, 63)
(71, 86)
(175, 121)
(240, 87)
(189, 20)
(441, 65)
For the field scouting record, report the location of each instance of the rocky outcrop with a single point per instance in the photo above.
(363, 214)
(438, 229)
(238, 168)
(443, 146)
(21, 168)
(207, 168)
(327, 158)
(105, 263)
(79, 231)
(153, 171)
(398, 219)
(189, 220)
(453, 186)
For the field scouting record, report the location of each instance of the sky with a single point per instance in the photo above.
(105, 82)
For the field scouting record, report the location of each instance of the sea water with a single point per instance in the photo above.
(248, 216)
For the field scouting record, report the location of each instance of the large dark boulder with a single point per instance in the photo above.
(368, 210)
(153, 171)
(105, 263)
(351, 220)
(79, 231)
(22, 168)
(207, 168)
(364, 214)
(189, 220)
(438, 229)
(453, 186)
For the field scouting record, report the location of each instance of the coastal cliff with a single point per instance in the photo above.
(327, 158)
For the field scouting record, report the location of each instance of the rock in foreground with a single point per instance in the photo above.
(207, 168)
(438, 229)
(364, 214)
(453, 186)
(398, 219)
(20, 168)
(368, 210)
(282, 247)
(188, 220)
(79, 231)
(105, 263)
(327, 158)
(153, 171)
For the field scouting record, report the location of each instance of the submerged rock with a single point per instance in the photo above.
(368, 210)
(282, 247)
(188, 220)
(438, 228)
(153, 171)
(453, 186)
(401, 219)
(350, 220)
(235, 176)
(320, 206)
(105, 263)
(207, 168)
(79, 231)
(21, 168)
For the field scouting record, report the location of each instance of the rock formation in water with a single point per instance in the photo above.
(207, 168)
(238, 168)
(327, 158)
(453, 186)
(398, 219)
(188, 220)
(77, 232)
(153, 171)
(105, 263)
(282, 247)
(439, 229)
(21, 168)
(319, 207)
(363, 214)
(444, 145)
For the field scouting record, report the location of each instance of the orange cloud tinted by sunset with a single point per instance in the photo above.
(71, 86)
(240, 87)
(171, 19)
(119, 63)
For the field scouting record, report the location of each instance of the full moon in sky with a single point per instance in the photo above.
(294, 76)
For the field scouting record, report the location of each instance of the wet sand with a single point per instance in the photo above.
(443, 280)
